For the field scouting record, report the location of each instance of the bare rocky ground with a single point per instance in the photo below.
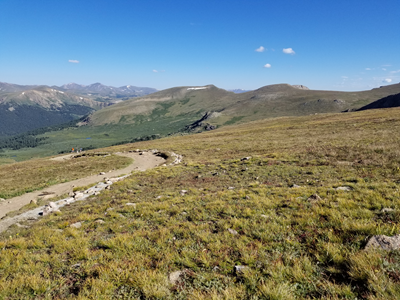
(142, 161)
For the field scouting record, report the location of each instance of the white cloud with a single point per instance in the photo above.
(288, 51)
(74, 61)
(387, 80)
(267, 66)
(260, 49)
(384, 69)
(394, 72)
(368, 69)
(155, 71)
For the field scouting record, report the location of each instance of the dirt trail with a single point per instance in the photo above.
(143, 162)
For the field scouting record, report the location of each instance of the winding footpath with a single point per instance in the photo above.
(142, 162)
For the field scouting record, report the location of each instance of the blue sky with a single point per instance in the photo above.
(330, 45)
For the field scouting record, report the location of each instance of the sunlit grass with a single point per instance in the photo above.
(255, 212)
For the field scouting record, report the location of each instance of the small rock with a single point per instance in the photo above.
(175, 276)
(294, 186)
(107, 187)
(264, 216)
(343, 188)
(52, 205)
(100, 221)
(246, 158)
(239, 270)
(102, 173)
(314, 198)
(96, 193)
(158, 197)
(2, 199)
(183, 192)
(130, 204)
(231, 188)
(78, 195)
(216, 269)
(384, 242)
(33, 201)
(232, 231)
(387, 209)
(76, 225)
(71, 194)
(76, 265)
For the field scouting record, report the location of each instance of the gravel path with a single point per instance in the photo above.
(142, 162)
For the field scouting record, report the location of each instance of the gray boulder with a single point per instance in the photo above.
(384, 242)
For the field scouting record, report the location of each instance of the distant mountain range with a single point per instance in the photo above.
(95, 91)
(238, 91)
(100, 92)
(27, 107)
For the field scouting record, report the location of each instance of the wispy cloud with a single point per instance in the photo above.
(383, 69)
(345, 77)
(387, 80)
(368, 69)
(74, 61)
(267, 66)
(288, 51)
(155, 71)
(260, 49)
(394, 72)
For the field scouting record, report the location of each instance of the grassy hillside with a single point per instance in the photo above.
(262, 195)
(172, 110)
(266, 102)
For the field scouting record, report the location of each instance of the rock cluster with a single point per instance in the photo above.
(177, 158)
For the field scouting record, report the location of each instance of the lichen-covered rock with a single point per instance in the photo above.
(384, 242)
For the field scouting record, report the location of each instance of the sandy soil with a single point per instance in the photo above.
(141, 163)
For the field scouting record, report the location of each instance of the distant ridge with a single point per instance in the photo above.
(107, 92)
(387, 102)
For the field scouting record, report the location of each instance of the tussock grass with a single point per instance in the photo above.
(235, 212)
